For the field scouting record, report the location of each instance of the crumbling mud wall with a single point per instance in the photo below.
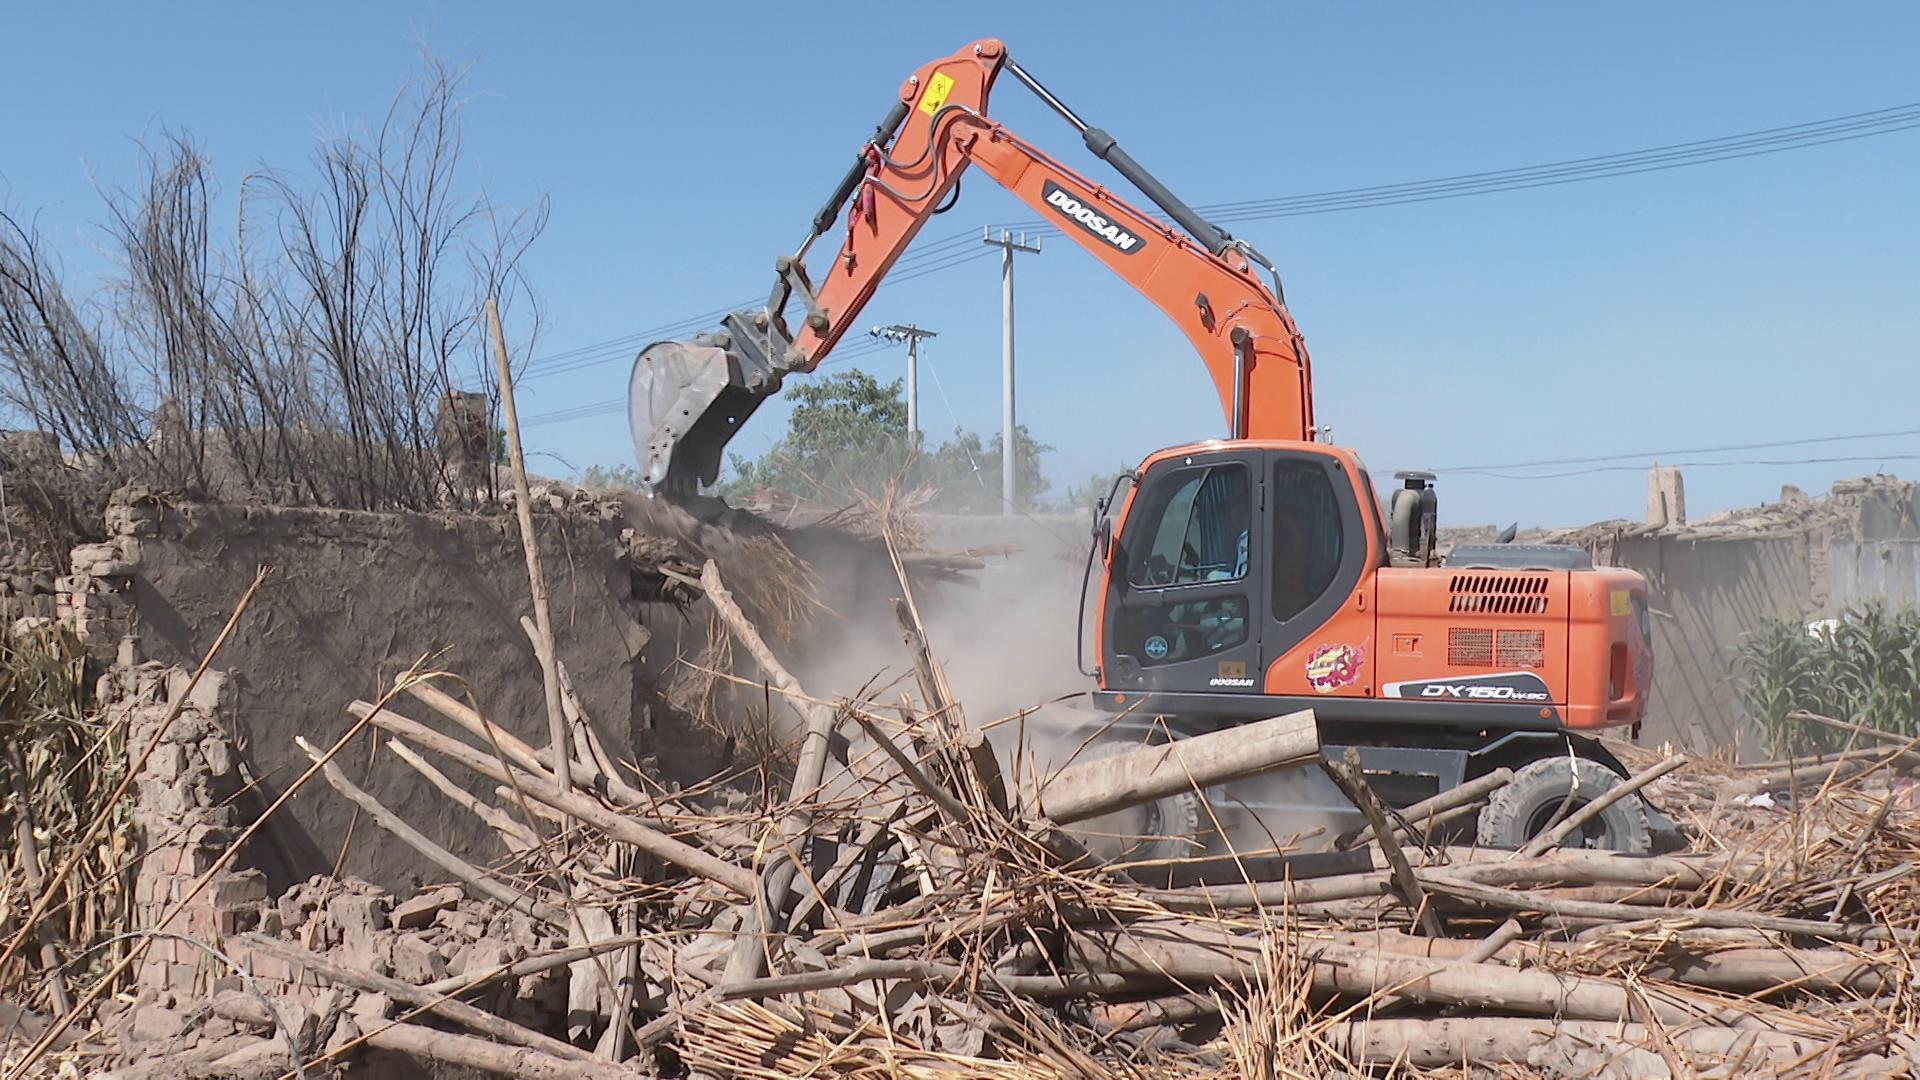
(355, 599)
(1716, 579)
(1706, 595)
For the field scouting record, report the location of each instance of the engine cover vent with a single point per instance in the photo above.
(1498, 594)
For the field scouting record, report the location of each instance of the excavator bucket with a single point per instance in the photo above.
(685, 401)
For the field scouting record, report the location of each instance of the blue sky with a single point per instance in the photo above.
(684, 146)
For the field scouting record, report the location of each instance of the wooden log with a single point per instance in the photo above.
(1489, 947)
(516, 836)
(986, 766)
(537, 762)
(462, 870)
(1804, 779)
(1427, 812)
(620, 827)
(1352, 782)
(193, 1062)
(1198, 955)
(1889, 738)
(951, 808)
(1515, 900)
(1581, 866)
(523, 510)
(489, 734)
(926, 671)
(1153, 1012)
(763, 915)
(1091, 788)
(52, 968)
(1804, 763)
(1745, 971)
(457, 1012)
(1510, 1040)
(466, 1052)
(929, 972)
(1553, 837)
(1740, 969)
(1204, 899)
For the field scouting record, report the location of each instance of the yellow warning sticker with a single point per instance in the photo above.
(1622, 602)
(938, 88)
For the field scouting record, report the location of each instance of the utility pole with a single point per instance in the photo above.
(1007, 245)
(910, 334)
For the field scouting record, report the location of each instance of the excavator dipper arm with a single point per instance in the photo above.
(687, 399)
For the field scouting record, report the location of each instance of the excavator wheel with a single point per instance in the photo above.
(1170, 827)
(1533, 802)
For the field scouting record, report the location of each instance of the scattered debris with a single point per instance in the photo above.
(935, 919)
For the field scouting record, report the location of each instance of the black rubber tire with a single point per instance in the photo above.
(1528, 805)
(1165, 828)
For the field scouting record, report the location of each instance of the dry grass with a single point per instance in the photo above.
(67, 759)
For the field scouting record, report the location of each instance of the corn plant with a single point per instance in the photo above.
(1864, 667)
(61, 762)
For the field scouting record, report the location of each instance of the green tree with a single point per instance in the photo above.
(966, 469)
(849, 432)
(1083, 496)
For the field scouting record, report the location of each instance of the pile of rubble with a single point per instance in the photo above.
(910, 901)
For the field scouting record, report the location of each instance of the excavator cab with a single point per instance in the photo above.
(1226, 555)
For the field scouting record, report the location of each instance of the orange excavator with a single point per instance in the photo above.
(1242, 577)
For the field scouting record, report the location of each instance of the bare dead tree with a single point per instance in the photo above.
(58, 378)
(308, 359)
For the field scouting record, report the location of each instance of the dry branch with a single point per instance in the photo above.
(467, 873)
(466, 1052)
(625, 829)
(523, 510)
(457, 1012)
(1509, 1040)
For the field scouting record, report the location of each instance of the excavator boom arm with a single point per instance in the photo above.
(1201, 278)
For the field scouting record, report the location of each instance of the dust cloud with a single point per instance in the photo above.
(1006, 638)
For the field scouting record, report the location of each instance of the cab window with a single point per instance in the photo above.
(1193, 531)
(1307, 537)
(1196, 532)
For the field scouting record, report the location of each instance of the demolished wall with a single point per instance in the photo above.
(1720, 577)
(354, 599)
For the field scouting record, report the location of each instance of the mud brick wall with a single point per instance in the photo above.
(184, 819)
(353, 600)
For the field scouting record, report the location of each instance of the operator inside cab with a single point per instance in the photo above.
(1200, 533)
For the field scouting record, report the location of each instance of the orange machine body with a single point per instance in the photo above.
(1572, 647)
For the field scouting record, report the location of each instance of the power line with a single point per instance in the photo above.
(921, 262)
(1627, 163)
(1702, 465)
(947, 253)
(1651, 454)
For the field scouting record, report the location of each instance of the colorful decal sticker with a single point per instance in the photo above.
(1334, 666)
(1156, 648)
(938, 88)
(1622, 601)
